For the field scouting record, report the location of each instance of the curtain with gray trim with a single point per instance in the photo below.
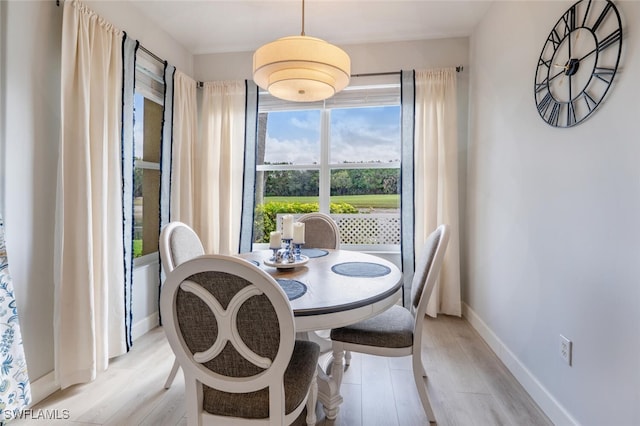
(130, 47)
(166, 146)
(130, 50)
(406, 177)
(248, 197)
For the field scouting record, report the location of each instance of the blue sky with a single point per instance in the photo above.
(357, 134)
(138, 127)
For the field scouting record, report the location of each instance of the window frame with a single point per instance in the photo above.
(149, 83)
(378, 94)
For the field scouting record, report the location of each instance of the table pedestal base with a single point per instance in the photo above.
(329, 394)
(329, 376)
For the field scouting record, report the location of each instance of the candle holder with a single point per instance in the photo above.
(288, 251)
(275, 252)
(287, 256)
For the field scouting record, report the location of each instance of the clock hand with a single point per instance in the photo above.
(557, 75)
(588, 54)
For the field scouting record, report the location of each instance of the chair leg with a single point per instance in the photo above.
(347, 360)
(193, 400)
(172, 374)
(337, 369)
(419, 376)
(312, 400)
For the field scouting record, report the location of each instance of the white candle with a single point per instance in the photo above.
(298, 233)
(275, 239)
(287, 227)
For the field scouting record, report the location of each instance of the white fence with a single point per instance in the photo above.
(370, 229)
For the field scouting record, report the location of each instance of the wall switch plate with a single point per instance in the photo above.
(566, 347)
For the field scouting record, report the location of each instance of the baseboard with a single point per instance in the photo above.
(551, 407)
(145, 325)
(43, 387)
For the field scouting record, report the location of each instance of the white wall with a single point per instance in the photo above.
(365, 58)
(552, 217)
(30, 37)
(31, 100)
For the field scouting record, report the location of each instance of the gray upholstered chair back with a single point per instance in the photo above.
(231, 328)
(199, 326)
(178, 243)
(425, 276)
(320, 231)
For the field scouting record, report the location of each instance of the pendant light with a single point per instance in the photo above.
(301, 68)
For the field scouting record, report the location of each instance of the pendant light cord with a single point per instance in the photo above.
(302, 33)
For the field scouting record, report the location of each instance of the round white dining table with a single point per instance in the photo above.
(334, 288)
(334, 298)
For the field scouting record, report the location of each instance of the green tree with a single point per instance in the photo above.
(341, 182)
(137, 182)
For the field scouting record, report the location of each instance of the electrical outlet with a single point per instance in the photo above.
(565, 349)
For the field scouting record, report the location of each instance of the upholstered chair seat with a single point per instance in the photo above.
(255, 405)
(392, 328)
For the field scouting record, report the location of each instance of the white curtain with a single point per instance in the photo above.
(89, 278)
(436, 178)
(185, 135)
(219, 165)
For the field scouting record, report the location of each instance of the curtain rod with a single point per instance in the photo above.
(459, 68)
(373, 74)
(150, 53)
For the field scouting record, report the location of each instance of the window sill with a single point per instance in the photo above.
(146, 260)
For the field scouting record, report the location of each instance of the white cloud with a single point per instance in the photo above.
(357, 135)
(300, 151)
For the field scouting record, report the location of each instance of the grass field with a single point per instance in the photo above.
(385, 201)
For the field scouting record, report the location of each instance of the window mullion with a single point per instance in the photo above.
(324, 186)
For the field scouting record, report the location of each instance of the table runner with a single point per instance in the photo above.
(15, 391)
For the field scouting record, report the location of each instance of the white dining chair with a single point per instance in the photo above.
(237, 372)
(320, 231)
(178, 243)
(398, 330)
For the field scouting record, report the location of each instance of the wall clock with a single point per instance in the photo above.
(578, 62)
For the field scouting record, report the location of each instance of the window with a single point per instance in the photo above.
(148, 117)
(340, 157)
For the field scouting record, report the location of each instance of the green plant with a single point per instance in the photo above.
(137, 248)
(264, 220)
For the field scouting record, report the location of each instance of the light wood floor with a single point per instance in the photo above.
(468, 385)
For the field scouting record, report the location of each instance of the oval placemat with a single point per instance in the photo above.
(361, 269)
(292, 288)
(313, 252)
